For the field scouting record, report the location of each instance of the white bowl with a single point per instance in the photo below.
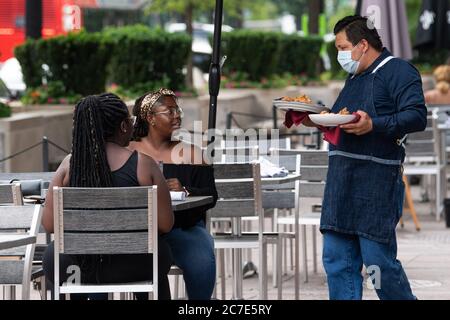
(331, 120)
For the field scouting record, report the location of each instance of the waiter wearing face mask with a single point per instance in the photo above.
(364, 194)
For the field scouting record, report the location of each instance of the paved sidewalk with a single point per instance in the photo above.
(425, 256)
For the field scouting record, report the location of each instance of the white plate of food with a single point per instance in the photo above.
(331, 119)
(300, 104)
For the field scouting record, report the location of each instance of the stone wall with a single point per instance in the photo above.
(25, 129)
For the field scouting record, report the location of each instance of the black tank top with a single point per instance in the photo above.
(126, 176)
(198, 180)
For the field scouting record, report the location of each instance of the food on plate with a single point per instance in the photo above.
(302, 98)
(343, 112)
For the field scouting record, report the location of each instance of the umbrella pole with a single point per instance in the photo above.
(359, 7)
(214, 70)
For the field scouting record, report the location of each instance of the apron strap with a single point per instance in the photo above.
(383, 63)
(401, 141)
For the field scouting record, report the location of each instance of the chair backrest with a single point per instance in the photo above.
(15, 263)
(441, 110)
(239, 190)
(290, 162)
(263, 144)
(426, 146)
(19, 218)
(11, 194)
(105, 220)
(313, 170)
(236, 155)
(283, 196)
(309, 157)
(45, 176)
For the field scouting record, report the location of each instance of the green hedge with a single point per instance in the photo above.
(5, 110)
(253, 52)
(142, 55)
(263, 54)
(78, 60)
(300, 55)
(30, 59)
(332, 54)
(84, 62)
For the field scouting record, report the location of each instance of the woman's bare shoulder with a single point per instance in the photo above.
(61, 177)
(133, 146)
(146, 161)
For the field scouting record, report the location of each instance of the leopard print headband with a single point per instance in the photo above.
(150, 100)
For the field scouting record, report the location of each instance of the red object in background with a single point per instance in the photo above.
(58, 17)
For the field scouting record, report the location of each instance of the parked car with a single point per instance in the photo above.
(5, 94)
(201, 42)
(11, 74)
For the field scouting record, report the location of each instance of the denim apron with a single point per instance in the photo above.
(364, 191)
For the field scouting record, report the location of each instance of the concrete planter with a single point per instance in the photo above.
(41, 107)
(25, 129)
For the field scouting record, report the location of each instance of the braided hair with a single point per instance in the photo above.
(96, 118)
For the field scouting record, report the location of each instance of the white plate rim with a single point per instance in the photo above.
(282, 103)
(314, 119)
(317, 109)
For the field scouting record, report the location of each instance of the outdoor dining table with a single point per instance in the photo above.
(444, 127)
(191, 203)
(8, 241)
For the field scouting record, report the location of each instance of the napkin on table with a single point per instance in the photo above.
(177, 195)
(270, 170)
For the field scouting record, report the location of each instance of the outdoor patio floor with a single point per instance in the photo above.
(425, 256)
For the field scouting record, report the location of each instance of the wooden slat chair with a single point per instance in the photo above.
(233, 155)
(246, 155)
(264, 145)
(20, 189)
(11, 194)
(284, 197)
(443, 117)
(106, 221)
(239, 191)
(16, 263)
(426, 156)
(313, 170)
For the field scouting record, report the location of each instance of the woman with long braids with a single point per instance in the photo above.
(158, 116)
(102, 128)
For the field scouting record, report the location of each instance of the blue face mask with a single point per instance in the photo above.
(346, 61)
